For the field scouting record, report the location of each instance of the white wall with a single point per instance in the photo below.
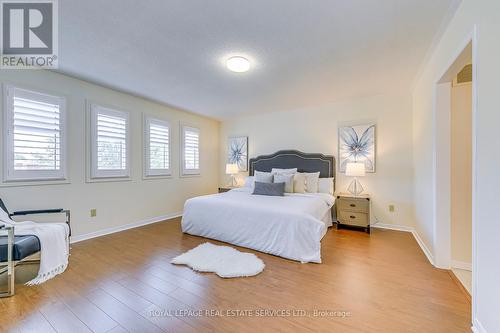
(461, 173)
(486, 14)
(315, 131)
(117, 203)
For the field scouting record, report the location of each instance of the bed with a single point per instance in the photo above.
(290, 227)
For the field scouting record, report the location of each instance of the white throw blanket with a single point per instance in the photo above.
(54, 246)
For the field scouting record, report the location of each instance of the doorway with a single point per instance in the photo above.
(454, 180)
(461, 176)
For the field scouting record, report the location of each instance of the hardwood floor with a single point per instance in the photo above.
(124, 282)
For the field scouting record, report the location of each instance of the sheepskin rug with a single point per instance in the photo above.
(224, 261)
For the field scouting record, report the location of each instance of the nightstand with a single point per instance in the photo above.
(225, 189)
(353, 211)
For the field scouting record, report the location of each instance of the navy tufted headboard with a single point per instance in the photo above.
(304, 162)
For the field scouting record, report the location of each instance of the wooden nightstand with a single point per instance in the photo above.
(353, 211)
(225, 189)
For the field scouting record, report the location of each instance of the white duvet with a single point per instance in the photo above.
(289, 226)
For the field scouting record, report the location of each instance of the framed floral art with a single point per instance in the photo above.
(237, 152)
(357, 144)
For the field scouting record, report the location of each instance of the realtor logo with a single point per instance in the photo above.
(29, 34)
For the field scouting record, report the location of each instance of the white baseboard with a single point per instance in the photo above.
(461, 265)
(392, 227)
(107, 231)
(415, 234)
(477, 327)
(424, 247)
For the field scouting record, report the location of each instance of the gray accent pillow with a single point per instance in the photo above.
(285, 178)
(271, 189)
(263, 177)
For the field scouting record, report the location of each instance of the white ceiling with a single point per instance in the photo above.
(304, 53)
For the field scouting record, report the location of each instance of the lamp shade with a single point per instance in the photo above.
(355, 169)
(232, 169)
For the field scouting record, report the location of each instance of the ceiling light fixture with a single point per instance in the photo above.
(238, 64)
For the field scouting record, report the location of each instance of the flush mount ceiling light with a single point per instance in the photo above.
(238, 64)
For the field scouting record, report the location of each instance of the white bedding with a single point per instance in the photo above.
(291, 226)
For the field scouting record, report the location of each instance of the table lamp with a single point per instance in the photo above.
(232, 169)
(355, 170)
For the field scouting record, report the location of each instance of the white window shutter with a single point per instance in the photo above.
(34, 126)
(191, 150)
(110, 143)
(157, 147)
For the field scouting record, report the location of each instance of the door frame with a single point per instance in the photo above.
(441, 190)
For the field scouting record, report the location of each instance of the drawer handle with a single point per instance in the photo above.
(352, 217)
(352, 205)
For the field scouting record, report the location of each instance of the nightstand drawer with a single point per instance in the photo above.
(354, 205)
(353, 218)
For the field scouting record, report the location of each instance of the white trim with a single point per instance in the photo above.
(107, 231)
(415, 234)
(441, 191)
(395, 227)
(477, 327)
(461, 265)
(35, 183)
(458, 51)
(424, 247)
(475, 62)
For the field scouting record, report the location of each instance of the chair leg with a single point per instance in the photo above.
(11, 278)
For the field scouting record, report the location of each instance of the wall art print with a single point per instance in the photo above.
(237, 152)
(357, 144)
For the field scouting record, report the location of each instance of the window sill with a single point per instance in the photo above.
(190, 175)
(18, 183)
(108, 179)
(152, 177)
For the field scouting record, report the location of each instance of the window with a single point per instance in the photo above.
(190, 150)
(110, 143)
(34, 136)
(156, 147)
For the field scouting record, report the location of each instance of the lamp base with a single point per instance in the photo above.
(355, 187)
(233, 181)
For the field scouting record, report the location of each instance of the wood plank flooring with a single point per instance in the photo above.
(124, 283)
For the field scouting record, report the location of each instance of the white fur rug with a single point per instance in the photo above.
(224, 261)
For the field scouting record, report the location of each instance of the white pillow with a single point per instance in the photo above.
(249, 181)
(263, 177)
(325, 185)
(284, 178)
(312, 179)
(283, 171)
(299, 183)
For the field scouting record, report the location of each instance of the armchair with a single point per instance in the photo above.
(16, 250)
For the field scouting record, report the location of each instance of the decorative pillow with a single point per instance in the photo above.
(271, 189)
(263, 177)
(249, 181)
(299, 183)
(312, 179)
(325, 185)
(284, 178)
(283, 171)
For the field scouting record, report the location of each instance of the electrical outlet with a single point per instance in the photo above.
(391, 208)
(93, 212)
